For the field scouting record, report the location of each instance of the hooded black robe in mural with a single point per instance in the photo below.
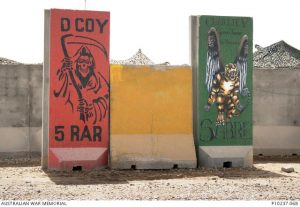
(84, 89)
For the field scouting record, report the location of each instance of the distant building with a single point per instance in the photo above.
(4, 61)
(276, 56)
(138, 58)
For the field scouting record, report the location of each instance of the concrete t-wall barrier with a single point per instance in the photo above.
(275, 108)
(151, 117)
(276, 113)
(76, 91)
(222, 88)
(20, 108)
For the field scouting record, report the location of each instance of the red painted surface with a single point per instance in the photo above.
(79, 89)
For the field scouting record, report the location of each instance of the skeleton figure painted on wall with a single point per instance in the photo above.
(84, 88)
(225, 84)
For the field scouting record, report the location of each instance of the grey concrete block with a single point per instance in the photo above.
(45, 97)
(267, 151)
(225, 156)
(36, 107)
(36, 75)
(275, 94)
(14, 139)
(14, 112)
(35, 135)
(153, 164)
(276, 140)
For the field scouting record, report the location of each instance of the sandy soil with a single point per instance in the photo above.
(24, 179)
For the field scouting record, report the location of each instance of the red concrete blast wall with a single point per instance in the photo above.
(79, 89)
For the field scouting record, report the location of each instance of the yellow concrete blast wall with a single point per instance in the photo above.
(151, 117)
(145, 100)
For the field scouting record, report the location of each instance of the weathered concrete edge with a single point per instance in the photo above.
(194, 50)
(46, 69)
(216, 156)
(16, 139)
(147, 164)
(276, 151)
(20, 155)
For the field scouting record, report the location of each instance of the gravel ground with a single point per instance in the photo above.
(24, 179)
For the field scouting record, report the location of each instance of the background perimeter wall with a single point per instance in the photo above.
(276, 111)
(20, 108)
(276, 108)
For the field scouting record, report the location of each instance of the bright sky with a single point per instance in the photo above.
(159, 27)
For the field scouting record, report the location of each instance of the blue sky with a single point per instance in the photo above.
(159, 27)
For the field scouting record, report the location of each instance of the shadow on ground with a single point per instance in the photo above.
(124, 176)
(277, 159)
(107, 176)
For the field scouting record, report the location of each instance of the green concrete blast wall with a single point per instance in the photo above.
(237, 130)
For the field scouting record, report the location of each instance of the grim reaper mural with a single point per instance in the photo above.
(84, 88)
(226, 83)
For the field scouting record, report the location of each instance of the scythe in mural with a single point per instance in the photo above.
(225, 84)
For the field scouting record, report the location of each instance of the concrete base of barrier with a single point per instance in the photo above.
(20, 139)
(276, 140)
(86, 158)
(225, 156)
(23, 156)
(14, 139)
(152, 151)
(276, 151)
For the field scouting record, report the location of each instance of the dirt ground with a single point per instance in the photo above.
(22, 179)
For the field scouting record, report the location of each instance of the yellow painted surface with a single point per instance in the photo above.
(147, 100)
(151, 117)
(172, 147)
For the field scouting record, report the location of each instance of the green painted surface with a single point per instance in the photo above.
(238, 129)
